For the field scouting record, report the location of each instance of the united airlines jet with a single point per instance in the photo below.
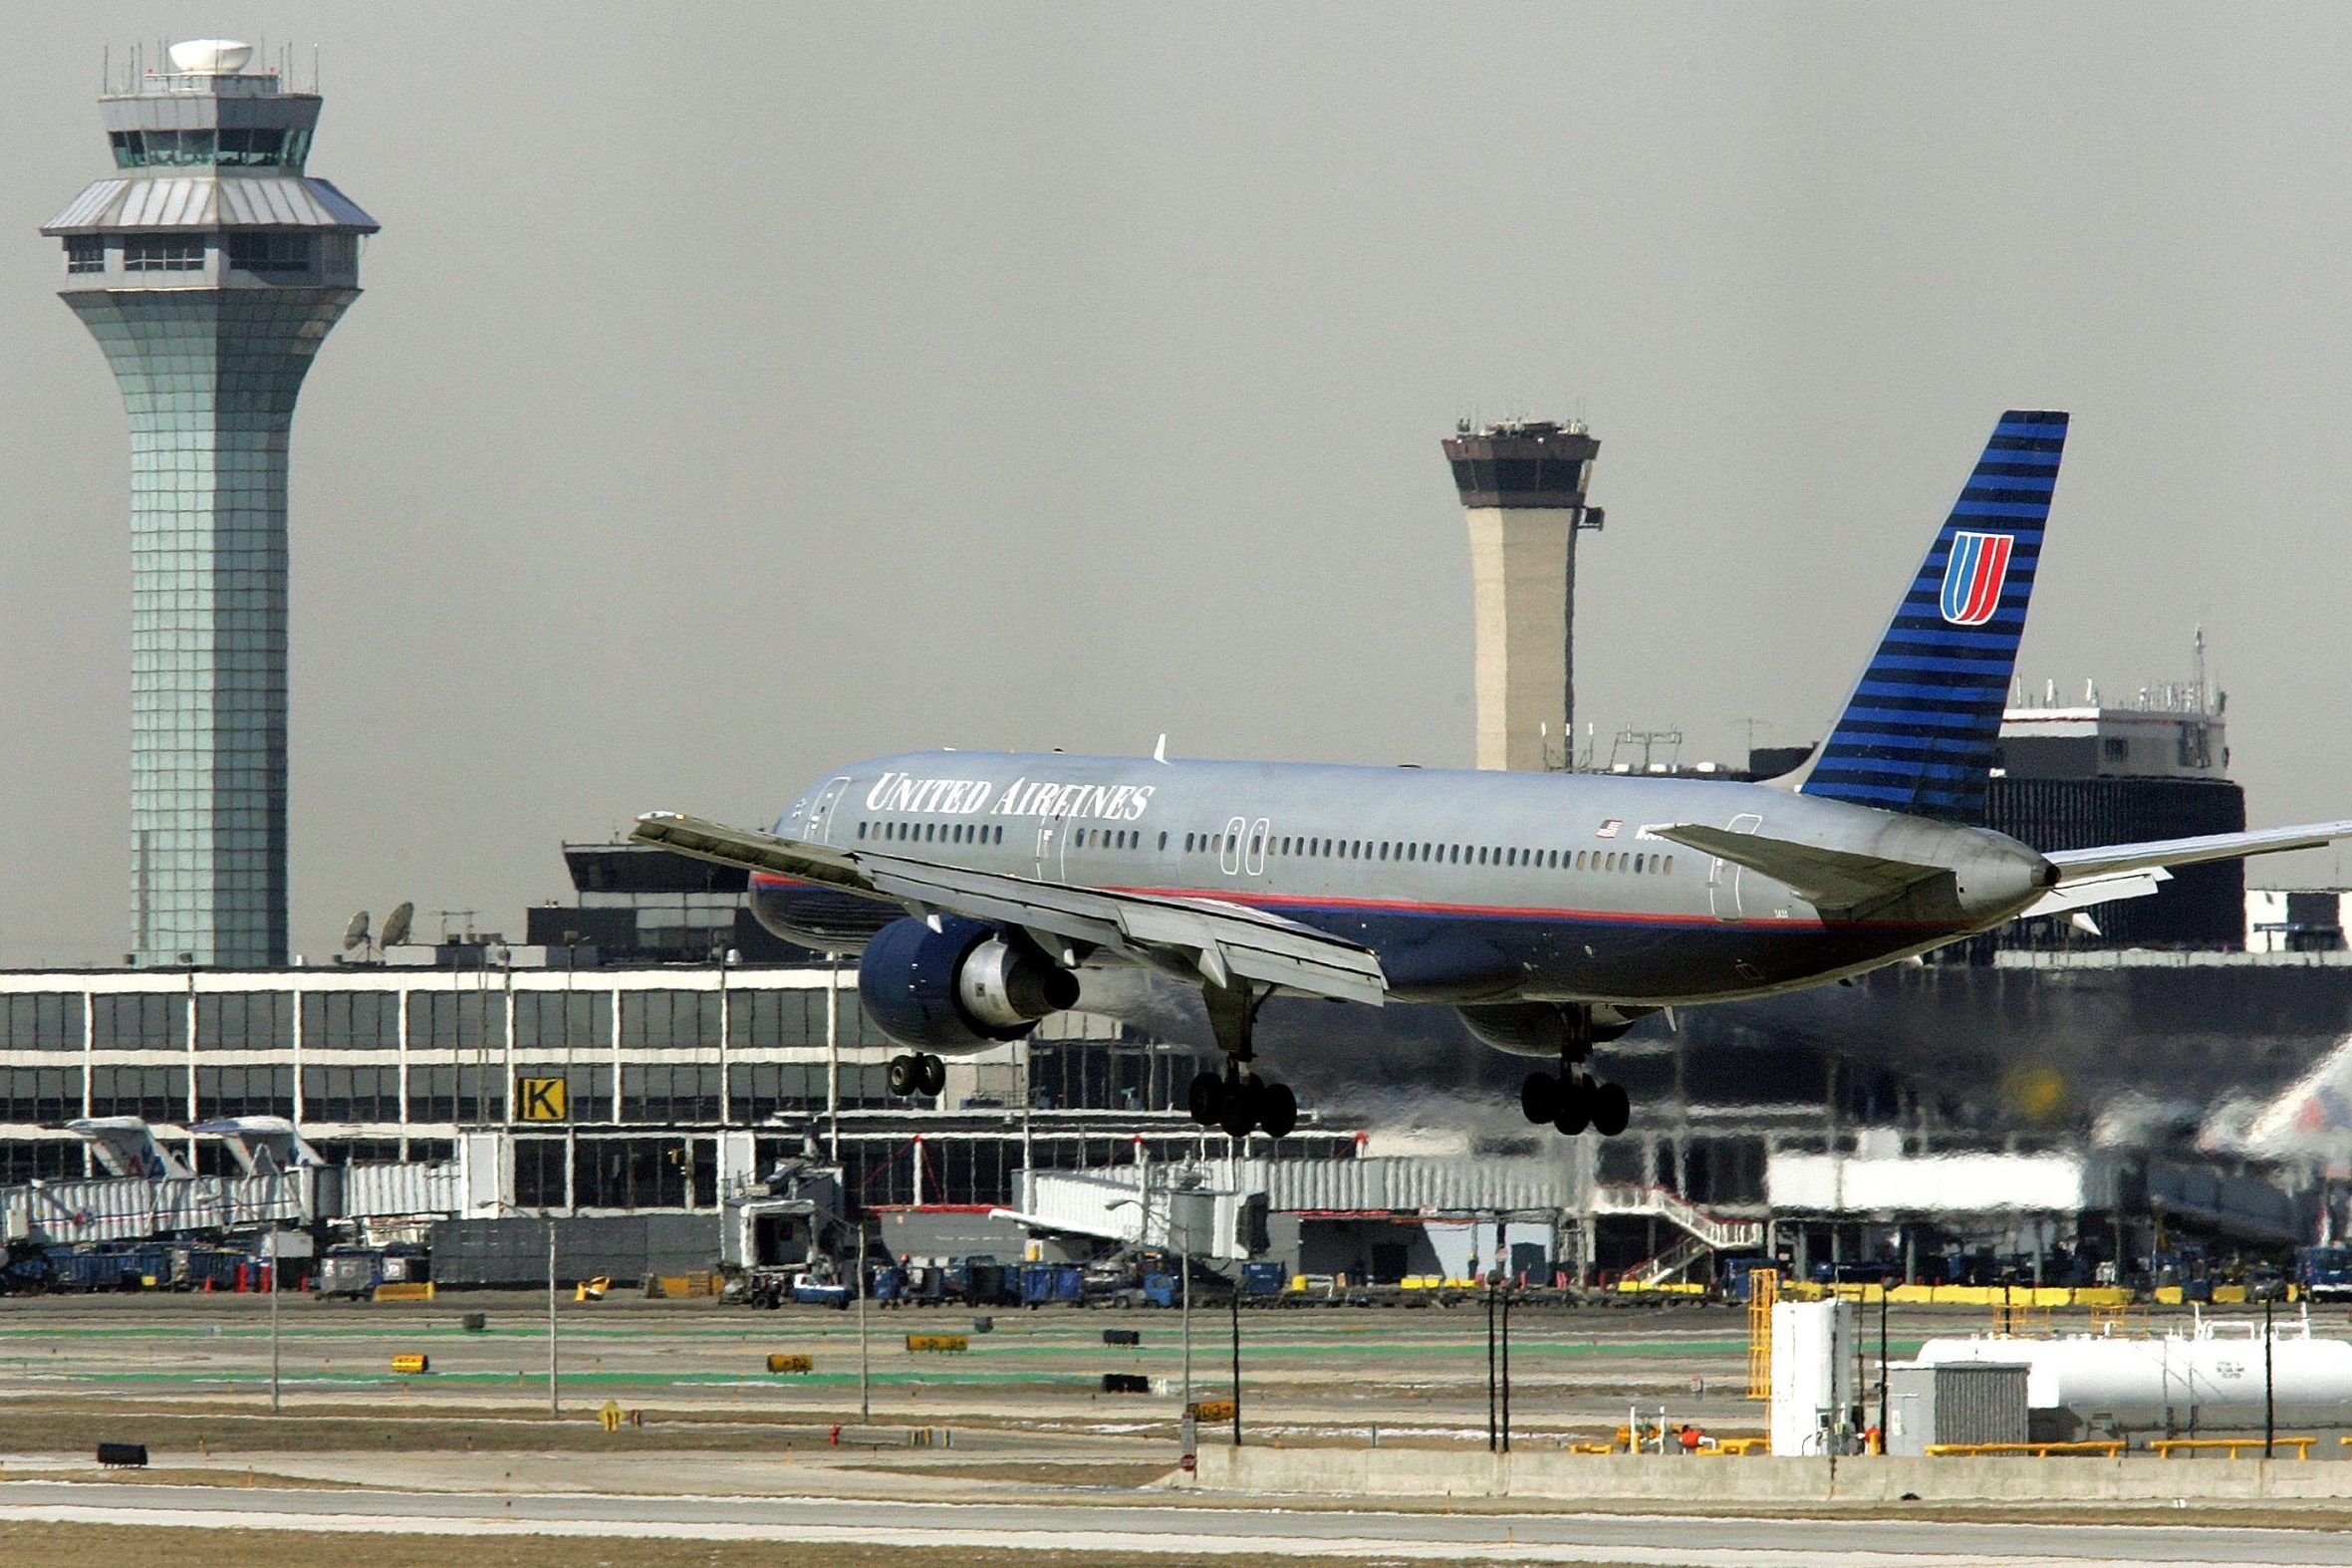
(1552, 910)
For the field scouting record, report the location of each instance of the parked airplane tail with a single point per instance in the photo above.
(1918, 735)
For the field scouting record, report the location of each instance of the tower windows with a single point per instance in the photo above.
(85, 253)
(163, 253)
(270, 252)
(231, 146)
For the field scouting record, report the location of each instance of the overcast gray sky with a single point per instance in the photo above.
(739, 389)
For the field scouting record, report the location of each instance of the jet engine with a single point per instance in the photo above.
(1546, 1029)
(962, 988)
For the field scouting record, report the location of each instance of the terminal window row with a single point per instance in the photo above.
(653, 1092)
(445, 1020)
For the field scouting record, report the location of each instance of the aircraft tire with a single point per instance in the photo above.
(934, 1073)
(1208, 1099)
(1539, 1097)
(1240, 1113)
(905, 1076)
(1278, 1111)
(1610, 1110)
(1575, 1111)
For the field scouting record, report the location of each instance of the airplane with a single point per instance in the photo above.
(1552, 910)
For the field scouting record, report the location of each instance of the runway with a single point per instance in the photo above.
(1704, 1542)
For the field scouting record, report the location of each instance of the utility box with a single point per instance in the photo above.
(1957, 1402)
(1812, 1377)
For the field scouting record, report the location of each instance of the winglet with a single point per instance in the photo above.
(1160, 752)
(1919, 732)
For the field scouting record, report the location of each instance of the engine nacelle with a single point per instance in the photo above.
(1545, 1030)
(962, 988)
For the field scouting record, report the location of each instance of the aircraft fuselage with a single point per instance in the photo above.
(1469, 886)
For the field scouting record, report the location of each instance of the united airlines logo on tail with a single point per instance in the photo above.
(1972, 578)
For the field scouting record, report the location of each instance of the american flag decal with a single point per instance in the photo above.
(1973, 576)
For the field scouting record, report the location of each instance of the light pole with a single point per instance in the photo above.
(554, 1400)
(865, 1393)
(272, 1257)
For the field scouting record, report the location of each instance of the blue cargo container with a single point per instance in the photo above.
(1159, 1290)
(1261, 1278)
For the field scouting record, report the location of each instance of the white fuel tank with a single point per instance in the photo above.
(2209, 1377)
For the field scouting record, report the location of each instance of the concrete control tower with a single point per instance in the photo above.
(209, 269)
(1522, 490)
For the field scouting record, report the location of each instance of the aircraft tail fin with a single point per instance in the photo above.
(1918, 735)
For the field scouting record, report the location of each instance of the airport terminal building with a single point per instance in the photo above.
(611, 1089)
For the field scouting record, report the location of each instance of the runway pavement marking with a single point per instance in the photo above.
(1504, 1545)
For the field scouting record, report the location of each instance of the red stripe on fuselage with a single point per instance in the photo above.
(1498, 911)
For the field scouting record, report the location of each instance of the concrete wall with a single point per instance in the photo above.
(1547, 1473)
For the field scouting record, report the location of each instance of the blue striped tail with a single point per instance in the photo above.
(1918, 735)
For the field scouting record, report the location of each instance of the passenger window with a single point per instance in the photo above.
(861, 829)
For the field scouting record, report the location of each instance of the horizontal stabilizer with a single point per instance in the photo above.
(2083, 865)
(2084, 892)
(1829, 878)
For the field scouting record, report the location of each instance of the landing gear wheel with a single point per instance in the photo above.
(1240, 1114)
(1539, 1097)
(1208, 1099)
(905, 1075)
(1610, 1110)
(934, 1073)
(1576, 1107)
(1278, 1112)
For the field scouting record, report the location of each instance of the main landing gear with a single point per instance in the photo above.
(1239, 1101)
(918, 1074)
(1573, 1100)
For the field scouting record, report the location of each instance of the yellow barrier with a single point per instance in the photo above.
(2167, 1295)
(681, 1287)
(592, 1289)
(1741, 1447)
(2162, 1447)
(792, 1363)
(2039, 1450)
(412, 1363)
(1213, 1411)
(2228, 1295)
(416, 1292)
(952, 1343)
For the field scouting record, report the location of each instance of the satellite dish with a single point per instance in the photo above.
(356, 932)
(395, 925)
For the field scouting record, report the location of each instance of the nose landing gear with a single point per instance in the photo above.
(918, 1074)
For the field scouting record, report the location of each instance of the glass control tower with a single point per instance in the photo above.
(209, 268)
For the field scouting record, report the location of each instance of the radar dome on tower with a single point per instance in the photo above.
(211, 57)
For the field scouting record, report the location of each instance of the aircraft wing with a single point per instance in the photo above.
(1829, 878)
(2082, 865)
(1196, 938)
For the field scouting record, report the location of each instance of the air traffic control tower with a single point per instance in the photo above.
(209, 268)
(1522, 488)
